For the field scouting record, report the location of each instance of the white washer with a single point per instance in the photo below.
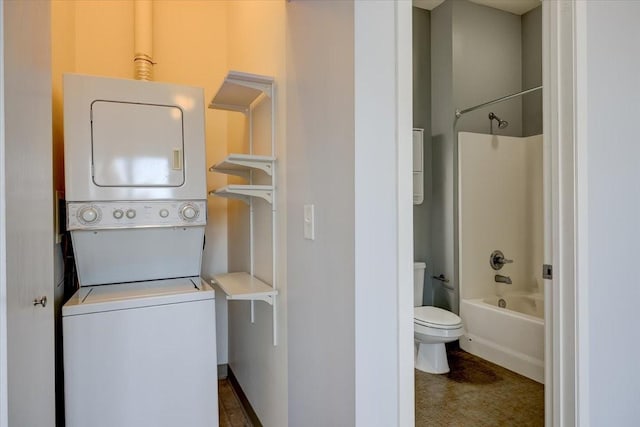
(136, 240)
(141, 354)
(139, 334)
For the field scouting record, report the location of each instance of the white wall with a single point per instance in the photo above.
(383, 211)
(4, 401)
(350, 358)
(500, 208)
(320, 163)
(612, 228)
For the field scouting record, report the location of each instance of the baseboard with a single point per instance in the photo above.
(243, 399)
(223, 371)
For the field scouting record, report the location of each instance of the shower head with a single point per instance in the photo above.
(501, 123)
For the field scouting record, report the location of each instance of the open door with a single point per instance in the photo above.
(26, 217)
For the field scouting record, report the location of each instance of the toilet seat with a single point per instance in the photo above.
(437, 318)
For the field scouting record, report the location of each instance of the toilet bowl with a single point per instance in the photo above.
(433, 327)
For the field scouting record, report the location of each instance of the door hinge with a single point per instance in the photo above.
(547, 271)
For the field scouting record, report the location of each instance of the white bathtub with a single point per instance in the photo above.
(512, 337)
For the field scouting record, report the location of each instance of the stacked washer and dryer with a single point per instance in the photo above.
(139, 333)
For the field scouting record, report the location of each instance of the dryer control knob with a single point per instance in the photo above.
(131, 213)
(164, 213)
(189, 212)
(117, 214)
(89, 215)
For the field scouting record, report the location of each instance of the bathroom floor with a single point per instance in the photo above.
(477, 393)
(231, 413)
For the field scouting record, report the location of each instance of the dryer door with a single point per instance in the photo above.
(136, 145)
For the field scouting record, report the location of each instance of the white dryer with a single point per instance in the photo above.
(135, 179)
(139, 334)
(132, 140)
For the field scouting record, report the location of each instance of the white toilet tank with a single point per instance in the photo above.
(418, 282)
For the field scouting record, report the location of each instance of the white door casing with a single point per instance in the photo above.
(565, 216)
(27, 334)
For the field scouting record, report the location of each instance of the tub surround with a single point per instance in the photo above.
(501, 199)
(500, 209)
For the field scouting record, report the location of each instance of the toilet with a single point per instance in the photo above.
(433, 327)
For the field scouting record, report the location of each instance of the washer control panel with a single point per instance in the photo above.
(135, 214)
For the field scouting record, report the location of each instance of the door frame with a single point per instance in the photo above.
(564, 72)
(4, 403)
(564, 77)
(566, 334)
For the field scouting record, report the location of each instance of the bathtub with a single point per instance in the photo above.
(506, 330)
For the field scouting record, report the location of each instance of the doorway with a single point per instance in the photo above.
(479, 61)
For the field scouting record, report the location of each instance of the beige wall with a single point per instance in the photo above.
(196, 43)
(190, 47)
(256, 44)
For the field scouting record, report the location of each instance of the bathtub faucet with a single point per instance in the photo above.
(503, 279)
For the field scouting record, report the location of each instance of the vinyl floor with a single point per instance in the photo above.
(477, 393)
(231, 413)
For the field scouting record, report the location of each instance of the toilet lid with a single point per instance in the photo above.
(435, 317)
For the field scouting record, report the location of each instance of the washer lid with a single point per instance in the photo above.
(121, 296)
(435, 317)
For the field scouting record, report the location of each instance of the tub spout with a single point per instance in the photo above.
(503, 279)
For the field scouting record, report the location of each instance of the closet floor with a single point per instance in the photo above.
(231, 413)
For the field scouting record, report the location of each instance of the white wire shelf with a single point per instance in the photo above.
(241, 164)
(240, 90)
(243, 286)
(245, 192)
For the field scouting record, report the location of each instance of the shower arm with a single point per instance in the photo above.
(459, 112)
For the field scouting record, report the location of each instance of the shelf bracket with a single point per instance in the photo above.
(243, 194)
(223, 167)
(265, 88)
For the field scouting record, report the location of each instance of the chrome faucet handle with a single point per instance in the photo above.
(499, 278)
(497, 260)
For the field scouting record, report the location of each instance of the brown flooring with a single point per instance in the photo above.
(477, 393)
(231, 413)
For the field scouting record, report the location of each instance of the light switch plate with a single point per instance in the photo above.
(309, 222)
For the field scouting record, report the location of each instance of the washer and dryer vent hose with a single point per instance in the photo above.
(143, 43)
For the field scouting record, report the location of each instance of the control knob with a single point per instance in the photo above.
(131, 213)
(89, 215)
(117, 214)
(189, 212)
(164, 213)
